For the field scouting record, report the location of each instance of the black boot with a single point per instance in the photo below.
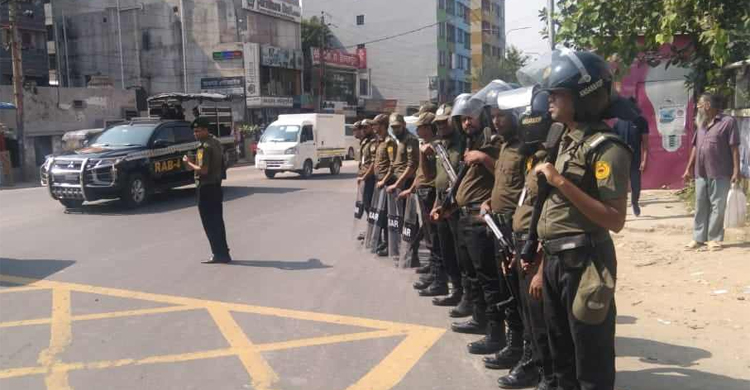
(546, 380)
(451, 300)
(491, 342)
(508, 356)
(465, 307)
(524, 374)
(438, 287)
(471, 326)
(424, 269)
(423, 283)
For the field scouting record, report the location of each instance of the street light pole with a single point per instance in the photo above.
(505, 38)
(119, 35)
(17, 66)
(551, 23)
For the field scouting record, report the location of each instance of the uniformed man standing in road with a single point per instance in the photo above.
(447, 225)
(588, 198)
(368, 144)
(424, 187)
(405, 164)
(385, 154)
(207, 169)
(509, 179)
(474, 241)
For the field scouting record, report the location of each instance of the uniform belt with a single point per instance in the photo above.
(585, 240)
(520, 236)
(471, 209)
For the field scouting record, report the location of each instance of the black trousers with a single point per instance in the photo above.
(427, 199)
(583, 354)
(369, 188)
(449, 259)
(509, 287)
(476, 252)
(211, 209)
(532, 313)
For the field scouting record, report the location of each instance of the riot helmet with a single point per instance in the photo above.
(463, 107)
(535, 121)
(584, 74)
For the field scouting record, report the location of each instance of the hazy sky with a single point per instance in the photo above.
(523, 13)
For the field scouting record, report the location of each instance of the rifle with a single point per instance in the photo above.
(506, 251)
(445, 161)
(451, 198)
(552, 146)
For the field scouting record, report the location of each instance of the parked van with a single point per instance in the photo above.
(352, 144)
(300, 143)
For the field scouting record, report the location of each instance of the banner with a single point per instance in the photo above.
(340, 58)
(280, 58)
(252, 69)
(223, 85)
(269, 101)
(275, 8)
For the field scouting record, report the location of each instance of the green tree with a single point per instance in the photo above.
(503, 69)
(314, 34)
(628, 30)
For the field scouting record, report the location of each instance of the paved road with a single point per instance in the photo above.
(117, 299)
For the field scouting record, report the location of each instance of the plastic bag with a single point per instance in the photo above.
(736, 210)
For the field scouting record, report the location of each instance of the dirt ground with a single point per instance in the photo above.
(683, 316)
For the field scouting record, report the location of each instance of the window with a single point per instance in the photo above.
(451, 33)
(360, 20)
(467, 41)
(441, 4)
(307, 134)
(486, 28)
(50, 32)
(459, 35)
(467, 15)
(441, 30)
(450, 7)
(485, 5)
(468, 63)
(441, 56)
(183, 134)
(486, 50)
(442, 86)
(165, 134)
(53, 61)
(364, 86)
(361, 46)
(451, 63)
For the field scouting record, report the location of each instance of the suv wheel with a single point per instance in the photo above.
(335, 166)
(136, 191)
(307, 170)
(71, 203)
(270, 174)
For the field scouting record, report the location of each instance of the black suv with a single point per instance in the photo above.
(129, 161)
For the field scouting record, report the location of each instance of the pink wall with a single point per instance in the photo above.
(667, 106)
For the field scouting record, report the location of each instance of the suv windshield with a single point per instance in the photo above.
(280, 133)
(126, 135)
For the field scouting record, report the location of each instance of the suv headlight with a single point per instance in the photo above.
(291, 151)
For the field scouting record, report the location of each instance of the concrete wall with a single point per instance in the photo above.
(46, 113)
(400, 66)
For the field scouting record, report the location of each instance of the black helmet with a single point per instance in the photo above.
(585, 74)
(535, 121)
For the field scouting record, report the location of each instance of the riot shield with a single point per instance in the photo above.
(372, 235)
(395, 223)
(359, 225)
(410, 231)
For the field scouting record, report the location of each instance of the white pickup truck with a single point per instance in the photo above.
(300, 143)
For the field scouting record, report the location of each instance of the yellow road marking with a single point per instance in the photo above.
(11, 289)
(100, 316)
(262, 375)
(60, 338)
(389, 372)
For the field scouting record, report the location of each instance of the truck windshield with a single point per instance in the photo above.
(280, 133)
(126, 135)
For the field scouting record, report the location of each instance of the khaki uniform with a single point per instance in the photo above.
(367, 149)
(209, 153)
(407, 154)
(426, 172)
(509, 175)
(385, 154)
(476, 186)
(605, 177)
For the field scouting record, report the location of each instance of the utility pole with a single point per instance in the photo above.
(551, 23)
(119, 36)
(184, 47)
(321, 87)
(17, 82)
(65, 37)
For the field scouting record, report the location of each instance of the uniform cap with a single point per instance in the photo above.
(443, 113)
(357, 125)
(425, 118)
(397, 119)
(381, 119)
(427, 107)
(201, 122)
(594, 296)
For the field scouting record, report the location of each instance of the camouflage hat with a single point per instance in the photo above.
(381, 119)
(443, 113)
(367, 122)
(425, 118)
(357, 125)
(427, 107)
(396, 119)
(202, 122)
(594, 296)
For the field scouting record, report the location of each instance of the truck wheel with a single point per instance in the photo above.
(71, 203)
(350, 154)
(136, 191)
(307, 170)
(270, 174)
(335, 166)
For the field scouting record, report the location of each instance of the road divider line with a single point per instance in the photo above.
(61, 333)
(325, 340)
(261, 374)
(14, 289)
(100, 316)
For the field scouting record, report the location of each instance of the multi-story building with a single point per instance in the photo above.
(487, 32)
(32, 32)
(245, 48)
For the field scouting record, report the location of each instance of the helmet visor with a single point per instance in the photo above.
(563, 62)
(487, 96)
(464, 105)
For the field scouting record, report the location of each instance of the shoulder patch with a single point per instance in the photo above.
(529, 163)
(390, 151)
(602, 170)
(409, 149)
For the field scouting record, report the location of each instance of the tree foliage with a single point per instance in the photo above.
(718, 32)
(503, 69)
